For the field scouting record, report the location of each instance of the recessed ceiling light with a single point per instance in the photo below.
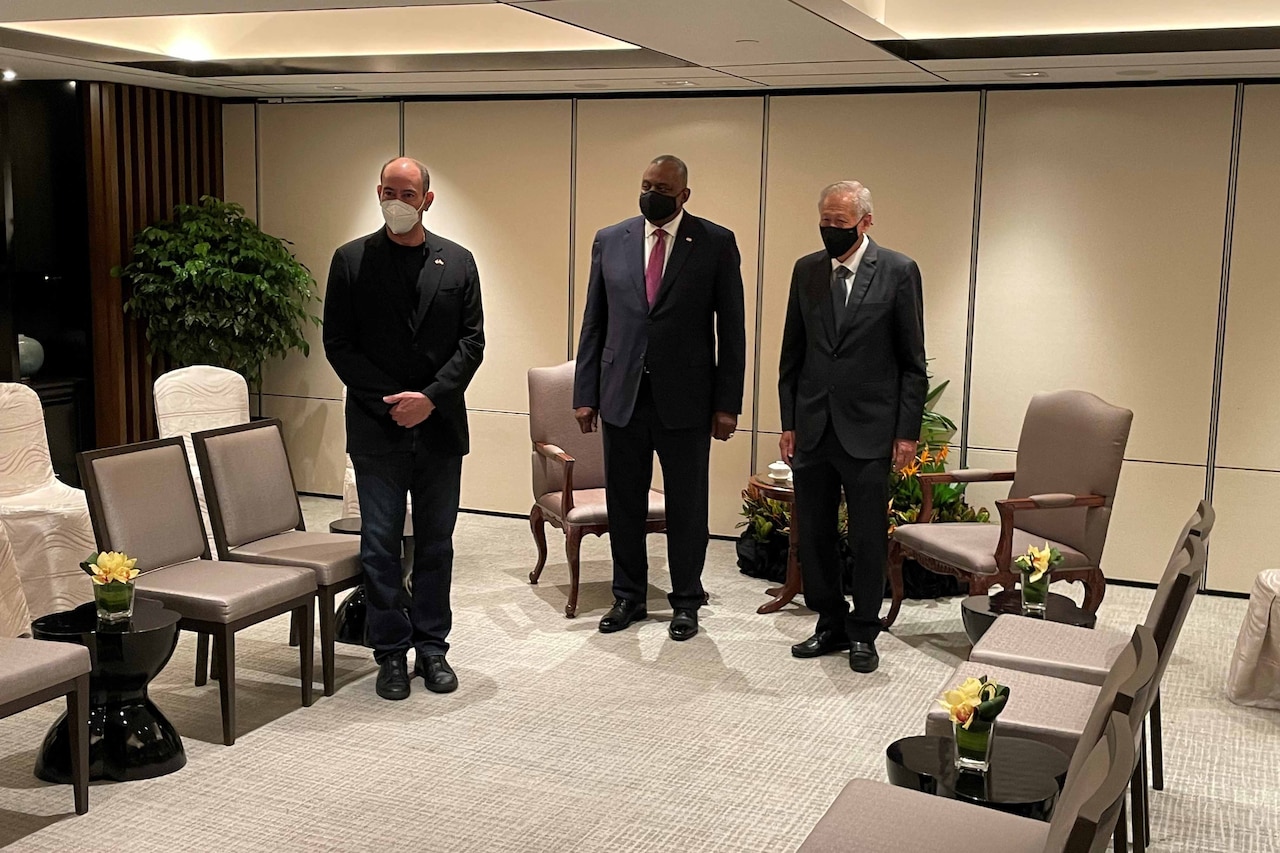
(1024, 75)
(336, 88)
(71, 84)
(676, 83)
(1136, 72)
(9, 75)
(747, 41)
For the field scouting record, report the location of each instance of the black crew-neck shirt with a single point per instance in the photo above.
(407, 261)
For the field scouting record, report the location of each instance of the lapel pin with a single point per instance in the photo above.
(440, 261)
(688, 239)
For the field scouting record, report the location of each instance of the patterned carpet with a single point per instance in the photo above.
(562, 738)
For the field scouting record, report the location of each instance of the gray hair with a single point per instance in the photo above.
(681, 168)
(852, 189)
(422, 171)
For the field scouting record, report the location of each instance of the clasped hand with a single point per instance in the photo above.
(410, 408)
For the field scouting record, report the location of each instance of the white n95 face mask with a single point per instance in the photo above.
(400, 216)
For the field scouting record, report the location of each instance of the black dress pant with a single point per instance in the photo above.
(819, 475)
(628, 474)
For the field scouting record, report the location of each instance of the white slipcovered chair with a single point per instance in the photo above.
(15, 618)
(46, 520)
(200, 397)
(1254, 676)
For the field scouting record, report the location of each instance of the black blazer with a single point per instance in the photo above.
(379, 343)
(866, 369)
(693, 341)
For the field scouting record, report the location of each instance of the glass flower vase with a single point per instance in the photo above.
(1034, 594)
(973, 746)
(114, 601)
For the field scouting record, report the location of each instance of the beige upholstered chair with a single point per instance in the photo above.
(1254, 677)
(190, 399)
(143, 502)
(47, 521)
(33, 672)
(1068, 464)
(568, 474)
(253, 504)
(875, 817)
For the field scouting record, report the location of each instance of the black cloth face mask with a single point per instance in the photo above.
(838, 240)
(657, 207)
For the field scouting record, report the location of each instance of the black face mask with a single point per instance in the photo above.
(657, 207)
(838, 240)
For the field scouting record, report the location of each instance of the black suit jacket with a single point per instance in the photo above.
(693, 341)
(380, 343)
(865, 370)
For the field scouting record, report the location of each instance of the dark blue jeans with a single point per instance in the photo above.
(397, 620)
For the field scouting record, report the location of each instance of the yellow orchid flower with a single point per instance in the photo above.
(113, 566)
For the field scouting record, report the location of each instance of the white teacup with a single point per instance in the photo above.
(779, 471)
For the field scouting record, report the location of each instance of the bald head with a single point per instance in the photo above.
(409, 168)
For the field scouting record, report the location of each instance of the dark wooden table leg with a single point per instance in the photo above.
(793, 585)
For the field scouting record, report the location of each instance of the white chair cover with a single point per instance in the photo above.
(46, 521)
(15, 618)
(1254, 678)
(191, 399)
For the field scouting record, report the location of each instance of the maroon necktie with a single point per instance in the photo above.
(653, 272)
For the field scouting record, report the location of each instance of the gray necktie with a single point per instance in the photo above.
(839, 294)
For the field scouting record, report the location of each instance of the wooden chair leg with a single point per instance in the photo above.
(293, 630)
(328, 628)
(1119, 843)
(1136, 795)
(78, 727)
(1157, 746)
(202, 659)
(896, 556)
(1095, 588)
(224, 647)
(305, 618)
(572, 547)
(537, 524)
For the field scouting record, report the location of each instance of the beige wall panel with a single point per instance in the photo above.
(730, 469)
(497, 475)
(1243, 542)
(509, 204)
(240, 157)
(1100, 257)
(1247, 418)
(318, 189)
(720, 141)
(986, 494)
(916, 153)
(316, 438)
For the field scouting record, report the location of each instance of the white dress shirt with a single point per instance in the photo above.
(649, 239)
(851, 265)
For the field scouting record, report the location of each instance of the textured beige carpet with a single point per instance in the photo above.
(562, 738)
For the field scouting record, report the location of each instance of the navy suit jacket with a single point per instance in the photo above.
(381, 341)
(693, 341)
(864, 370)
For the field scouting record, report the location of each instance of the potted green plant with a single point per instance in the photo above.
(212, 288)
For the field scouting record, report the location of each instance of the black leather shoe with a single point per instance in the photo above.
(863, 657)
(684, 624)
(436, 674)
(393, 678)
(622, 614)
(821, 643)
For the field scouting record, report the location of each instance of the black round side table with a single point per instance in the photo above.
(979, 612)
(128, 736)
(1024, 779)
(349, 625)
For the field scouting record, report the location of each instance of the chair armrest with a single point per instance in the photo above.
(1008, 506)
(552, 452)
(960, 475)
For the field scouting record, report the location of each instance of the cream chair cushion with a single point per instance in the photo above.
(29, 666)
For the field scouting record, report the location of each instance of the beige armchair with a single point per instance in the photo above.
(568, 475)
(1068, 465)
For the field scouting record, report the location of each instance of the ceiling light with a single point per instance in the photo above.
(9, 75)
(337, 88)
(189, 49)
(747, 41)
(676, 83)
(1025, 75)
(71, 84)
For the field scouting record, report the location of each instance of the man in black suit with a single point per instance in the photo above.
(852, 385)
(661, 361)
(404, 329)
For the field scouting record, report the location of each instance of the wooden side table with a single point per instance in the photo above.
(762, 485)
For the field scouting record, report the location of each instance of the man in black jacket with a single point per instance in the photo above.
(661, 362)
(404, 330)
(852, 385)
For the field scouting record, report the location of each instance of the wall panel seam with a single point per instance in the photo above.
(764, 191)
(573, 221)
(971, 315)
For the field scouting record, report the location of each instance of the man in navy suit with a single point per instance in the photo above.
(661, 361)
(404, 329)
(852, 385)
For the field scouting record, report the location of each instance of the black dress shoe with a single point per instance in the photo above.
(821, 643)
(622, 614)
(863, 657)
(393, 678)
(684, 624)
(436, 674)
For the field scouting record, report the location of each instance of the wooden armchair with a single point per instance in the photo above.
(1068, 464)
(568, 475)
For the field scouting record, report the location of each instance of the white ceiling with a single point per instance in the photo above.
(687, 45)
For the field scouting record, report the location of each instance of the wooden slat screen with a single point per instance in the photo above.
(146, 150)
